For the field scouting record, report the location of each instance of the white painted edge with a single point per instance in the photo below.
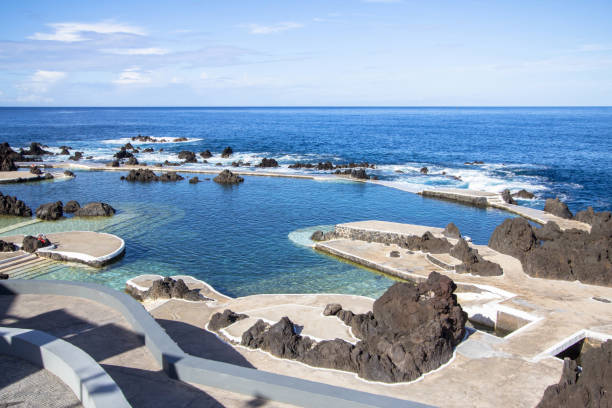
(568, 341)
(85, 257)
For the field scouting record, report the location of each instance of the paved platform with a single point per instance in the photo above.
(26, 176)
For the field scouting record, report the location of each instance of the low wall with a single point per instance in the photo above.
(342, 231)
(477, 201)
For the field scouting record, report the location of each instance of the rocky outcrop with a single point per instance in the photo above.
(426, 243)
(50, 211)
(7, 164)
(123, 154)
(72, 206)
(148, 150)
(227, 318)
(144, 139)
(590, 387)
(132, 161)
(424, 170)
(168, 288)
(451, 231)
(36, 170)
(170, 176)
(227, 152)
(558, 208)
(36, 149)
(265, 162)
(206, 154)
(319, 235)
(168, 163)
(114, 163)
(412, 329)
(548, 252)
(507, 197)
(31, 244)
(95, 209)
(194, 180)
(64, 152)
(187, 156)
(77, 156)
(146, 175)
(524, 194)
(332, 309)
(10, 205)
(8, 157)
(227, 177)
(68, 173)
(473, 262)
(7, 246)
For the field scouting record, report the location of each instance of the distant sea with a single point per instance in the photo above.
(564, 152)
(251, 238)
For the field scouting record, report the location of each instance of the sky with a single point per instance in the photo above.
(305, 53)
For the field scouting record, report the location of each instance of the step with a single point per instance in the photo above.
(18, 263)
(18, 270)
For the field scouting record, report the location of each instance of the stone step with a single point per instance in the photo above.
(41, 267)
(6, 268)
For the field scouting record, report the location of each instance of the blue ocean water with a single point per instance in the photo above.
(237, 238)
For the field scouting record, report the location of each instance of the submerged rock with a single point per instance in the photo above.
(558, 208)
(590, 387)
(227, 177)
(265, 162)
(95, 209)
(10, 205)
(412, 329)
(68, 173)
(71, 206)
(50, 211)
(220, 320)
(194, 180)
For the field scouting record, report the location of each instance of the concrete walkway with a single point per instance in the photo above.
(25, 176)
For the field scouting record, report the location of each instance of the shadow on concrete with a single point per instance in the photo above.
(202, 343)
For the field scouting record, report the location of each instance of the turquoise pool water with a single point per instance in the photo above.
(238, 238)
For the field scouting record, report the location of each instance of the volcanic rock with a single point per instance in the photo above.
(507, 197)
(590, 387)
(194, 180)
(168, 163)
(7, 246)
(426, 243)
(473, 263)
(50, 211)
(7, 164)
(170, 176)
(322, 236)
(10, 205)
(95, 209)
(523, 194)
(76, 157)
(132, 161)
(359, 174)
(64, 152)
(451, 231)
(36, 170)
(69, 173)
(180, 139)
(424, 170)
(148, 150)
(227, 152)
(168, 288)
(513, 237)
(36, 150)
(206, 154)
(142, 175)
(187, 156)
(227, 177)
(265, 162)
(220, 320)
(332, 309)
(558, 208)
(71, 206)
(31, 244)
(123, 154)
(394, 254)
(3, 276)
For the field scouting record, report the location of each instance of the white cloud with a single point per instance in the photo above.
(132, 76)
(204, 75)
(73, 32)
(34, 89)
(274, 28)
(136, 51)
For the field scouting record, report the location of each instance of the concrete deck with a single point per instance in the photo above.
(26, 176)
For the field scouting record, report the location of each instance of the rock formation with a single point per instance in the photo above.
(35, 150)
(123, 154)
(227, 152)
(507, 197)
(473, 263)
(187, 156)
(548, 252)
(71, 206)
(323, 236)
(227, 177)
(590, 387)
(424, 170)
(77, 156)
(167, 288)
(206, 154)
(7, 246)
(50, 211)
(558, 208)
(132, 161)
(412, 329)
(220, 320)
(68, 173)
(170, 176)
(523, 194)
(10, 205)
(451, 231)
(8, 157)
(265, 162)
(194, 180)
(95, 209)
(146, 175)
(31, 244)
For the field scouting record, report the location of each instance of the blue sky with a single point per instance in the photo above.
(270, 53)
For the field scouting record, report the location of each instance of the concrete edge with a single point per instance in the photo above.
(184, 367)
(81, 373)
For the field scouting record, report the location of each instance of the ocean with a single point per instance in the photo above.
(248, 239)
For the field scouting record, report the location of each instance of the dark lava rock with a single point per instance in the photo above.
(424, 170)
(50, 211)
(36, 170)
(36, 150)
(114, 163)
(523, 194)
(168, 288)
(8, 157)
(300, 165)
(194, 180)
(129, 146)
(123, 154)
(332, 309)
(227, 152)
(426, 243)
(132, 161)
(76, 157)
(507, 197)
(322, 236)
(473, 263)
(31, 244)
(3, 276)
(95, 209)
(148, 150)
(590, 387)
(7, 164)
(227, 177)
(180, 139)
(359, 174)
(187, 156)
(7, 246)
(64, 152)
(168, 163)
(451, 231)
(170, 176)
(71, 206)
(69, 173)
(220, 320)
(48, 176)
(142, 175)
(413, 329)
(265, 162)
(10, 205)
(206, 154)
(394, 254)
(548, 252)
(558, 208)
(144, 139)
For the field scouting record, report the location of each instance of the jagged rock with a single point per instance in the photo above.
(507, 197)
(168, 288)
(187, 156)
(180, 139)
(10, 205)
(69, 173)
(168, 163)
(558, 208)
(524, 194)
(64, 152)
(549, 232)
(36, 170)
(142, 175)
(332, 309)
(95, 210)
(323, 236)
(170, 176)
(227, 152)
(48, 176)
(7, 246)
(36, 150)
(426, 243)
(76, 157)
(424, 170)
(123, 154)
(412, 329)
(513, 237)
(114, 163)
(206, 154)
(132, 161)
(50, 211)
(227, 177)
(394, 254)
(451, 231)
(3, 276)
(590, 387)
(148, 150)
(31, 244)
(473, 263)
(71, 206)
(359, 174)
(7, 164)
(129, 146)
(144, 139)
(265, 162)
(220, 320)
(194, 180)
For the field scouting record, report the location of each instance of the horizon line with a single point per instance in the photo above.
(295, 106)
